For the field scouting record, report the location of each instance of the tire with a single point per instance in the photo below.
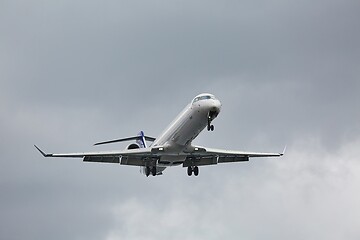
(153, 171)
(189, 171)
(196, 170)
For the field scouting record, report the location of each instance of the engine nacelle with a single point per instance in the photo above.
(133, 146)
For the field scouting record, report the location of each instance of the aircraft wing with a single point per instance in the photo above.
(132, 157)
(135, 157)
(210, 156)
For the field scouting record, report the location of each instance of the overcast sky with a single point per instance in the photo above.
(76, 72)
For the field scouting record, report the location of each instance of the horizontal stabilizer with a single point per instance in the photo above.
(151, 139)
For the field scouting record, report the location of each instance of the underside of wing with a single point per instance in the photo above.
(132, 160)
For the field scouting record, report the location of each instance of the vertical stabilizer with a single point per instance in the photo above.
(141, 140)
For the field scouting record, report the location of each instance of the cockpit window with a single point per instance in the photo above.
(203, 98)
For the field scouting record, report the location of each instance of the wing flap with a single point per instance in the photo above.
(125, 160)
(102, 159)
(199, 161)
(232, 158)
(212, 160)
(132, 161)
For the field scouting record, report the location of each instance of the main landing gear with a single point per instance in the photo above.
(194, 169)
(151, 170)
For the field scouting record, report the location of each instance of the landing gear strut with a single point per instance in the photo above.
(193, 169)
(210, 127)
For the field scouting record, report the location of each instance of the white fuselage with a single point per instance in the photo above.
(178, 136)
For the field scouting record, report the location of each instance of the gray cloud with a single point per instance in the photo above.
(74, 72)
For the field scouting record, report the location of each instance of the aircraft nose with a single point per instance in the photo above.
(215, 107)
(218, 105)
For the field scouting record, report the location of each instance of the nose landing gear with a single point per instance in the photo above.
(210, 127)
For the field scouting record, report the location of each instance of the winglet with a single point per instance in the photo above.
(283, 152)
(42, 153)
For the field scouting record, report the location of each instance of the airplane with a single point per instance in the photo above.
(174, 146)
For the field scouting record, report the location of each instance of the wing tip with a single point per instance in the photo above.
(42, 153)
(283, 152)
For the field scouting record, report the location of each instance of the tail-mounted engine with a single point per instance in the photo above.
(133, 146)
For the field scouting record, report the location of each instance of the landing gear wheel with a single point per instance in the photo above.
(189, 171)
(196, 170)
(212, 127)
(153, 171)
(147, 171)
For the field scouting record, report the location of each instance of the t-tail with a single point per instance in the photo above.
(150, 165)
(141, 141)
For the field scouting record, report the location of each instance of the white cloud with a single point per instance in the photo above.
(308, 194)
